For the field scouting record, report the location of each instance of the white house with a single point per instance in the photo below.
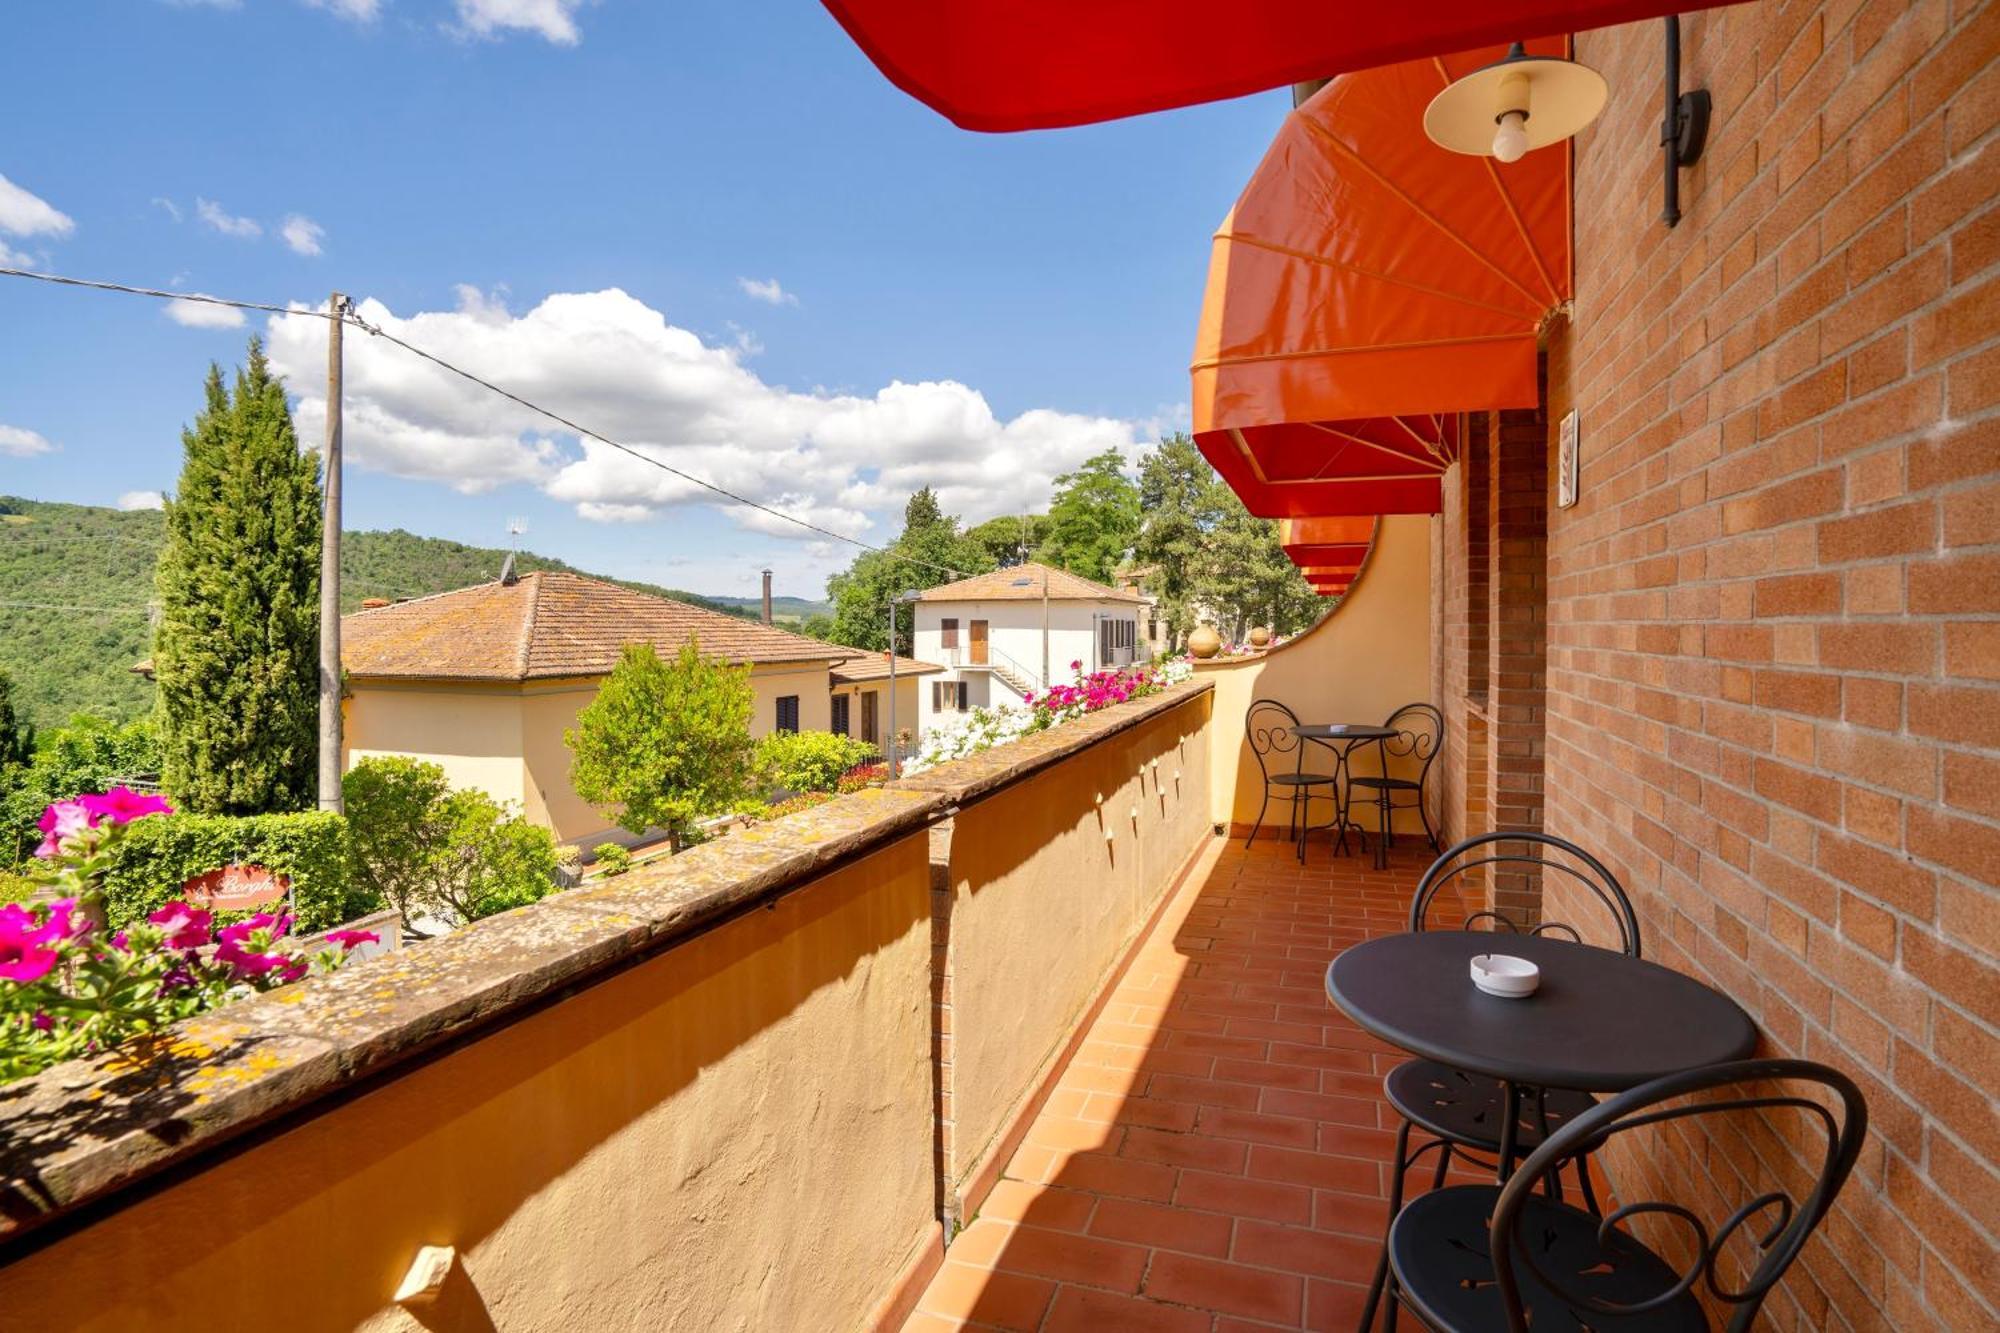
(1003, 635)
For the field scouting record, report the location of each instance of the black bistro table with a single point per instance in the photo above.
(1599, 1022)
(1341, 738)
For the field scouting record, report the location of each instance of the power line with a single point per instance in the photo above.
(201, 297)
(441, 363)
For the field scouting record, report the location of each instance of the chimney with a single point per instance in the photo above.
(767, 597)
(507, 574)
(372, 603)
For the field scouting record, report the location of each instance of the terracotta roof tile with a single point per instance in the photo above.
(547, 625)
(875, 666)
(1023, 583)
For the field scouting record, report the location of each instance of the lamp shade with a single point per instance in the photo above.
(1539, 100)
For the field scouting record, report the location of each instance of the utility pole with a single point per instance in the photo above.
(329, 573)
(892, 689)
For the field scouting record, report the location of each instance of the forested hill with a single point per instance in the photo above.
(75, 581)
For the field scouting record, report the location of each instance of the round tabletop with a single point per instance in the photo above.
(1343, 731)
(1599, 1022)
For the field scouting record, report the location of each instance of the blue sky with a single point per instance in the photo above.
(968, 311)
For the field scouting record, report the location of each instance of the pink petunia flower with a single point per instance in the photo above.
(349, 940)
(59, 823)
(122, 805)
(186, 926)
(25, 951)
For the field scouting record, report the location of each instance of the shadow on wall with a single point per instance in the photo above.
(1361, 662)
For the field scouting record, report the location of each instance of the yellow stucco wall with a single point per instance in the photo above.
(1043, 905)
(735, 1134)
(906, 705)
(507, 739)
(1359, 664)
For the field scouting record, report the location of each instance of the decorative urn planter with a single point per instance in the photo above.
(1260, 636)
(1204, 643)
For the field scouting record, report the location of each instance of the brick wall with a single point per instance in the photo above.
(1517, 648)
(1460, 568)
(1774, 655)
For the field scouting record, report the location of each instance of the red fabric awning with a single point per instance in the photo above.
(1314, 543)
(1037, 64)
(1368, 287)
(1376, 465)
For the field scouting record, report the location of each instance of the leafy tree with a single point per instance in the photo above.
(17, 738)
(1093, 518)
(456, 855)
(926, 553)
(1011, 538)
(805, 761)
(1181, 502)
(236, 650)
(818, 625)
(1211, 557)
(665, 742)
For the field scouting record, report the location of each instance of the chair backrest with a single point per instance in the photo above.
(1741, 1086)
(1419, 734)
(1488, 849)
(1273, 730)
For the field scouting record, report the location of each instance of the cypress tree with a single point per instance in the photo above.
(236, 652)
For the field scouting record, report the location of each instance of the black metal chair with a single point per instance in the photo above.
(1419, 735)
(1273, 730)
(1485, 1257)
(1463, 1112)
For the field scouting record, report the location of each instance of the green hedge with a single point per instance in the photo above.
(159, 855)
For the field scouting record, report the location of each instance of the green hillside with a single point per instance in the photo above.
(783, 609)
(75, 581)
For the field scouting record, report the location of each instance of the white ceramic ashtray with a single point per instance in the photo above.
(1503, 975)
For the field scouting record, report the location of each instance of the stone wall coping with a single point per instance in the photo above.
(80, 1132)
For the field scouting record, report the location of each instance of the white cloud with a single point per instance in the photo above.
(18, 258)
(204, 315)
(219, 218)
(766, 290)
(553, 19)
(360, 11)
(302, 234)
(167, 206)
(25, 214)
(844, 461)
(20, 442)
(131, 500)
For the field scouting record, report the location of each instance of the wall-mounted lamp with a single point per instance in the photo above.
(1684, 130)
(1515, 105)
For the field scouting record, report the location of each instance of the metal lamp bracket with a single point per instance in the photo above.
(1684, 125)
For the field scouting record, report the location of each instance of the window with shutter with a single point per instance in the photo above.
(788, 712)
(949, 628)
(840, 715)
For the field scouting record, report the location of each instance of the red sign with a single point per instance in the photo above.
(237, 888)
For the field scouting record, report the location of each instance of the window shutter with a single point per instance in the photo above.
(788, 712)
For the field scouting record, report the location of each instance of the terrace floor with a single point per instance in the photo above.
(1215, 1155)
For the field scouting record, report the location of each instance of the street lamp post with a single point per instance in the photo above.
(901, 599)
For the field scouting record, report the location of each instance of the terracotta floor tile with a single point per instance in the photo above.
(1084, 1260)
(1212, 1160)
(1079, 1310)
(1162, 1227)
(1043, 1205)
(1304, 1251)
(1226, 1287)
(981, 1296)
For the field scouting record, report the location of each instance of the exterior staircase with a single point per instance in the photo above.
(1017, 682)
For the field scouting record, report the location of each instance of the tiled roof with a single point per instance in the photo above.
(548, 625)
(875, 666)
(1023, 583)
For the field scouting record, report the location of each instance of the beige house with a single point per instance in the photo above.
(485, 680)
(861, 697)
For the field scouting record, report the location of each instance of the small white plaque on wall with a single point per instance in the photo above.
(1566, 461)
